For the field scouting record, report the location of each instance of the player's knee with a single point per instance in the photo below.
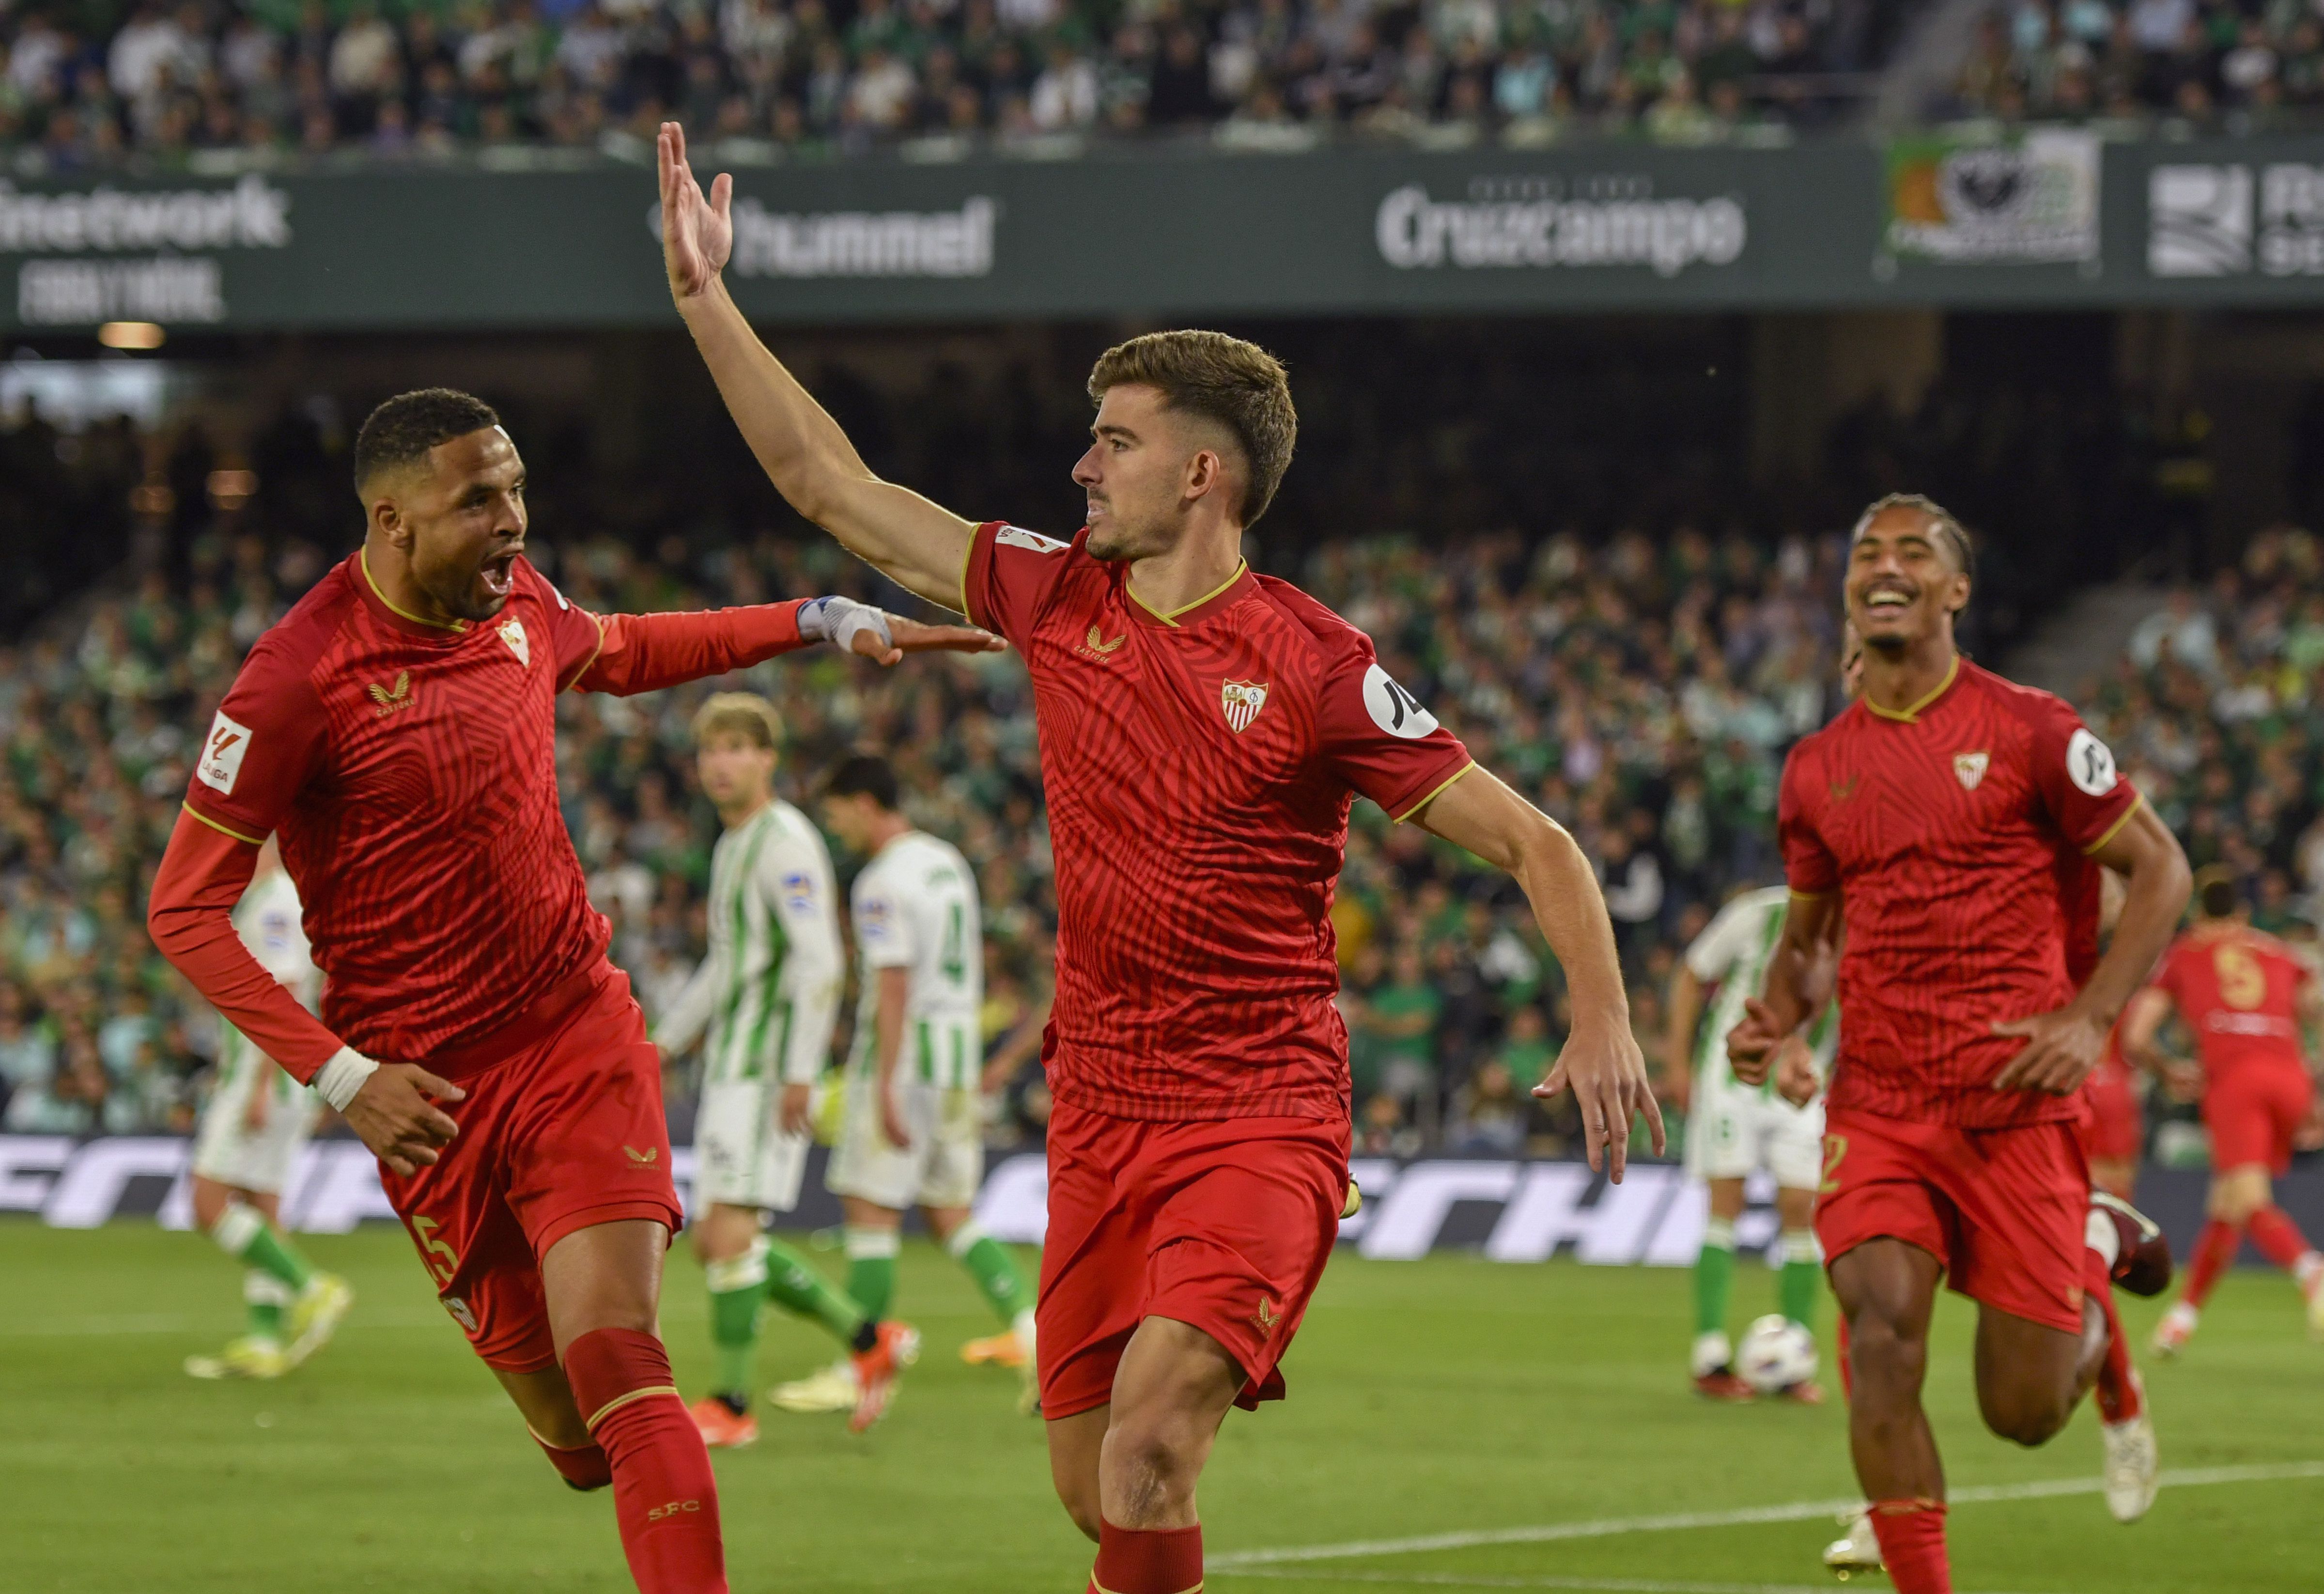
(1153, 1452)
(2023, 1416)
(1882, 1353)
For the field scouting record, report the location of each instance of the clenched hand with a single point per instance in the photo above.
(2060, 1050)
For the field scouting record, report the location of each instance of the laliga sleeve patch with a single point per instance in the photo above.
(222, 754)
(799, 890)
(2089, 765)
(1393, 709)
(1031, 541)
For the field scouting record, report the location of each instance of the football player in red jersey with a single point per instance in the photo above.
(1960, 823)
(2244, 996)
(396, 731)
(1203, 731)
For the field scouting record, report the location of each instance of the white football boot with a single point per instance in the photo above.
(1858, 1551)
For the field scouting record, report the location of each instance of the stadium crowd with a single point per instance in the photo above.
(1641, 688)
(2253, 67)
(171, 78)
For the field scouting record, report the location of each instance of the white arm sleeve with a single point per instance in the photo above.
(797, 878)
(1716, 949)
(682, 1025)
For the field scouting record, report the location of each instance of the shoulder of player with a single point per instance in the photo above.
(791, 834)
(1820, 744)
(288, 654)
(2036, 709)
(1333, 643)
(531, 578)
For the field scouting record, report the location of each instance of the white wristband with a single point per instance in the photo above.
(836, 620)
(339, 1079)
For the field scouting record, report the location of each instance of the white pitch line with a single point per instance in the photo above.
(1795, 1511)
(1584, 1585)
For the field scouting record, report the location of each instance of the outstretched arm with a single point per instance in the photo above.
(646, 652)
(1600, 1059)
(918, 545)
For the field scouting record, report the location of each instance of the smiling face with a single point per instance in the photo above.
(1147, 466)
(1904, 579)
(458, 518)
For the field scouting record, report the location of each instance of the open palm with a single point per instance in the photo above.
(697, 234)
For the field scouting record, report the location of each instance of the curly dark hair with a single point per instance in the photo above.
(402, 431)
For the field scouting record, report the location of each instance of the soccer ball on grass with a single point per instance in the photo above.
(1776, 1354)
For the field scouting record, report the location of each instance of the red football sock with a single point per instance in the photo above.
(1140, 1561)
(2117, 1390)
(584, 1466)
(665, 1498)
(1912, 1535)
(2215, 1251)
(2278, 1237)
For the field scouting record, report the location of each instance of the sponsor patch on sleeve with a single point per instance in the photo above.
(799, 890)
(2089, 762)
(1393, 709)
(1031, 541)
(222, 754)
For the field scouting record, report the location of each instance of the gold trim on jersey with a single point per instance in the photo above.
(968, 555)
(2137, 801)
(260, 840)
(1439, 792)
(1171, 619)
(574, 685)
(1911, 715)
(362, 559)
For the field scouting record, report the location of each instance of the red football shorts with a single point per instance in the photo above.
(1222, 1224)
(2004, 1211)
(2253, 1112)
(2116, 1128)
(563, 1131)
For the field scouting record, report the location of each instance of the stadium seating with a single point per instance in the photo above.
(769, 77)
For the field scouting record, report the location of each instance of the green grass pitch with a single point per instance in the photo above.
(1449, 1396)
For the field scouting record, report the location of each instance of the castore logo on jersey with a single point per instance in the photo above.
(389, 699)
(1095, 646)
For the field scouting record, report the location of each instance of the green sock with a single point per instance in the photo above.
(989, 1263)
(242, 1231)
(1714, 1274)
(265, 1298)
(872, 1269)
(1801, 1282)
(793, 1284)
(737, 1286)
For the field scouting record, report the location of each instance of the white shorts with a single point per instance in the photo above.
(742, 1158)
(943, 1165)
(227, 1150)
(1735, 1129)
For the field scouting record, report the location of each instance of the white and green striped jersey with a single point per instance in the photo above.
(915, 908)
(267, 918)
(766, 999)
(1734, 953)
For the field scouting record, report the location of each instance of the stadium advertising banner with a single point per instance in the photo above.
(1509, 1211)
(2049, 218)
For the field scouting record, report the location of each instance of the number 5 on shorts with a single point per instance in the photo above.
(430, 1248)
(1835, 1147)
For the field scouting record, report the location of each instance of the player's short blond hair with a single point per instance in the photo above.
(742, 714)
(1235, 384)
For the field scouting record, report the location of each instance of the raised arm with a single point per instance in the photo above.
(1600, 1059)
(918, 544)
(647, 652)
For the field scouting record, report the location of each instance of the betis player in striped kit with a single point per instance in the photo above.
(762, 1005)
(913, 1132)
(1734, 1129)
(252, 1129)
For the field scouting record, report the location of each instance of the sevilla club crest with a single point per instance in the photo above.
(512, 633)
(1971, 767)
(1243, 700)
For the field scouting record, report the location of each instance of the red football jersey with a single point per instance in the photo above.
(410, 772)
(1958, 834)
(1199, 767)
(2239, 992)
